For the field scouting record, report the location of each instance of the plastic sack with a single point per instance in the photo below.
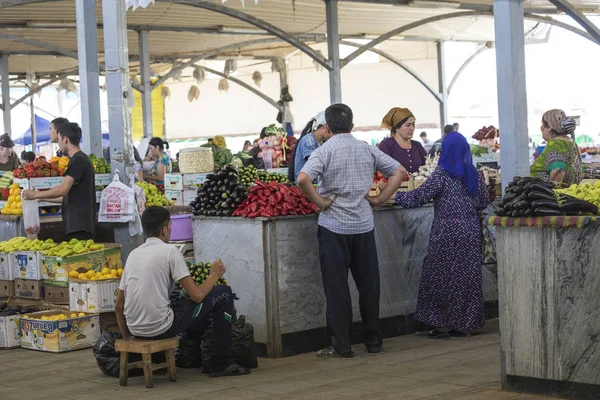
(117, 203)
(108, 359)
(189, 352)
(243, 347)
(31, 217)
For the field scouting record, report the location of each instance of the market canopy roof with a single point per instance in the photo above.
(180, 29)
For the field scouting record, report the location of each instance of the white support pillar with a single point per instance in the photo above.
(5, 85)
(89, 84)
(512, 91)
(333, 49)
(116, 56)
(146, 85)
(443, 89)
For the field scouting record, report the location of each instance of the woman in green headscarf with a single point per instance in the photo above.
(561, 159)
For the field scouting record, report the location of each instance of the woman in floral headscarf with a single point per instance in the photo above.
(561, 159)
(450, 294)
(400, 146)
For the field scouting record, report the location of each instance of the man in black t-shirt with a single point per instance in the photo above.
(77, 190)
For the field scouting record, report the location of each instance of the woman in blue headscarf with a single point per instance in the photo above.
(450, 294)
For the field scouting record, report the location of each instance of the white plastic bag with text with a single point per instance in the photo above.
(117, 203)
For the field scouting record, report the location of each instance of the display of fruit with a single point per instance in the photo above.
(153, 196)
(6, 180)
(220, 194)
(274, 199)
(21, 243)
(58, 317)
(379, 178)
(72, 247)
(102, 275)
(528, 197)
(37, 169)
(200, 272)
(272, 177)
(61, 162)
(487, 137)
(100, 164)
(247, 175)
(586, 192)
(13, 206)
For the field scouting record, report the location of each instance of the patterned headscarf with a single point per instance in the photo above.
(558, 122)
(456, 159)
(318, 120)
(394, 117)
(219, 141)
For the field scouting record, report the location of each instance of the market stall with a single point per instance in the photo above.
(548, 287)
(549, 305)
(273, 267)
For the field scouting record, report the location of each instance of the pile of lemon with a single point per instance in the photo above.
(102, 275)
(58, 317)
(13, 205)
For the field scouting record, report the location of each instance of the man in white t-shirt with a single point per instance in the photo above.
(143, 307)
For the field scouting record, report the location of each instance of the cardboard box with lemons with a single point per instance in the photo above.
(57, 270)
(58, 331)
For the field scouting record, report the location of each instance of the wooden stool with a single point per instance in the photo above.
(146, 348)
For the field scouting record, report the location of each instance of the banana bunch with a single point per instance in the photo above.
(74, 247)
(587, 192)
(23, 244)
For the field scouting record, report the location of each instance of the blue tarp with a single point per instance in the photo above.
(42, 130)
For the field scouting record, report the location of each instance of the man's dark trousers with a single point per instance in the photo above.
(357, 253)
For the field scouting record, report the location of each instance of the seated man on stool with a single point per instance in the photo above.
(143, 308)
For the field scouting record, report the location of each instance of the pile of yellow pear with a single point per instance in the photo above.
(103, 275)
(20, 243)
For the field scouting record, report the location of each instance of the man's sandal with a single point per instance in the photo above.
(331, 353)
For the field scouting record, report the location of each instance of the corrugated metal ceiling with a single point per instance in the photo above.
(300, 17)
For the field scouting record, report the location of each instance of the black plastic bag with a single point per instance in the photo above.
(189, 352)
(108, 359)
(243, 347)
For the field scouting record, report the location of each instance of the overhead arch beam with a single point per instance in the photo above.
(579, 17)
(399, 63)
(245, 86)
(408, 27)
(259, 23)
(559, 24)
(465, 64)
(212, 53)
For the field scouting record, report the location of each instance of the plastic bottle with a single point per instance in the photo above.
(267, 156)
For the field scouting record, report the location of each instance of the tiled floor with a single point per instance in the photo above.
(411, 367)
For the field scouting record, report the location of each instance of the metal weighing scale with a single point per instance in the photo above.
(185, 248)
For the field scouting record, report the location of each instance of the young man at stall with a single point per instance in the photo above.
(77, 192)
(143, 308)
(344, 167)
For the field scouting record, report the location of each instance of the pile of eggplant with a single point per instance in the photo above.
(532, 197)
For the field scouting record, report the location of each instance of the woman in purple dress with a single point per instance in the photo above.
(400, 146)
(450, 294)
